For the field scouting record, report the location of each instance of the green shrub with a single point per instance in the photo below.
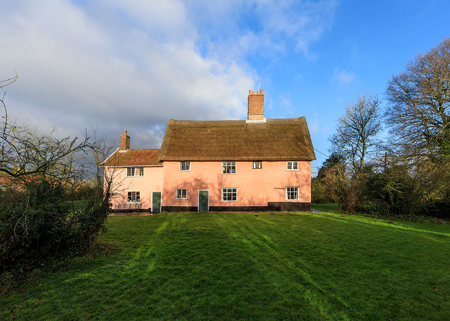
(390, 194)
(39, 228)
(437, 208)
(319, 193)
(342, 189)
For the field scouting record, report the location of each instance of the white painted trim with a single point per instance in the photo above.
(298, 193)
(256, 121)
(176, 193)
(151, 203)
(259, 161)
(231, 200)
(184, 170)
(133, 202)
(143, 172)
(198, 199)
(235, 167)
(292, 164)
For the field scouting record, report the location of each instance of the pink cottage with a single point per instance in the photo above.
(256, 164)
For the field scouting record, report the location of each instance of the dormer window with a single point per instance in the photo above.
(185, 166)
(135, 171)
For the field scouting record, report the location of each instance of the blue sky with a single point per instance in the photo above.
(132, 65)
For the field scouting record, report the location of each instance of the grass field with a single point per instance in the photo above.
(190, 266)
(326, 207)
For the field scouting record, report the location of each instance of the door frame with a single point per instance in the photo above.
(160, 201)
(198, 199)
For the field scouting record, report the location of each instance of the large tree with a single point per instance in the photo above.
(419, 105)
(357, 130)
(334, 160)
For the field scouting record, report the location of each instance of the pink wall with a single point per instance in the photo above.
(256, 187)
(151, 181)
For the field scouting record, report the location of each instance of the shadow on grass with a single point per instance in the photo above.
(190, 266)
(442, 232)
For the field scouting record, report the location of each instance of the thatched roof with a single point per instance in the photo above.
(133, 157)
(276, 139)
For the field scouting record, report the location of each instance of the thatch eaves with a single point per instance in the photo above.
(275, 139)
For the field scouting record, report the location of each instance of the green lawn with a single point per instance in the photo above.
(190, 266)
(332, 207)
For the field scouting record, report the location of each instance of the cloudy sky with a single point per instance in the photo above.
(133, 65)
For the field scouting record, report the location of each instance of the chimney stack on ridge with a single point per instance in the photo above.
(255, 105)
(124, 141)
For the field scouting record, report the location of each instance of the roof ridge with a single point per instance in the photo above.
(276, 139)
(176, 122)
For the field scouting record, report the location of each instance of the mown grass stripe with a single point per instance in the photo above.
(209, 266)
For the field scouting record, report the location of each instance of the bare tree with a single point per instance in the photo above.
(356, 133)
(419, 105)
(4, 83)
(37, 224)
(24, 151)
(99, 152)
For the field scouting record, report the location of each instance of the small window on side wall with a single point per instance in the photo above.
(134, 197)
(292, 166)
(257, 164)
(185, 166)
(292, 193)
(181, 194)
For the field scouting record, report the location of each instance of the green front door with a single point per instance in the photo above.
(156, 202)
(203, 201)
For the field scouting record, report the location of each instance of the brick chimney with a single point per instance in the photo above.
(255, 105)
(124, 141)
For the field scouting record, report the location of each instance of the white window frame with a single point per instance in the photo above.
(135, 171)
(135, 199)
(292, 166)
(227, 190)
(181, 191)
(226, 164)
(188, 163)
(296, 193)
(258, 163)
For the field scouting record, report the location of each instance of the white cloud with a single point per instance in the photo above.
(134, 64)
(343, 77)
(262, 26)
(314, 127)
(74, 71)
